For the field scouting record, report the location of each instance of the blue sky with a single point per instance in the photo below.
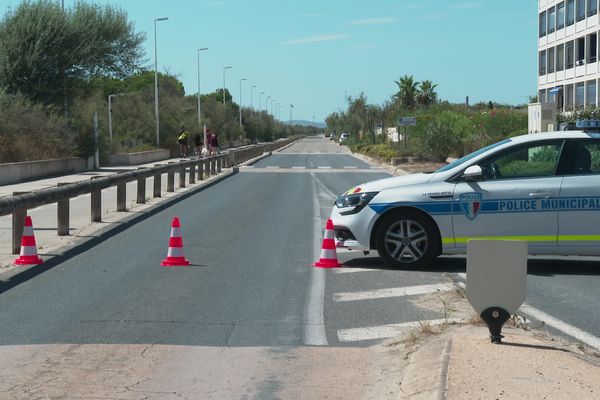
(312, 53)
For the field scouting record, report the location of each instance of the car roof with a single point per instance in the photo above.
(530, 137)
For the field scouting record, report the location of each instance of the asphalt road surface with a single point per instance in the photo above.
(252, 240)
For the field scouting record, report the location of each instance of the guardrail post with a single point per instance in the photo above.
(219, 164)
(200, 170)
(213, 166)
(62, 214)
(171, 179)
(18, 221)
(141, 190)
(122, 197)
(96, 204)
(157, 183)
(182, 176)
(192, 177)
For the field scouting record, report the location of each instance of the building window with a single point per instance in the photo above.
(580, 10)
(551, 20)
(592, 48)
(542, 62)
(590, 93)
(569, 96)
(543, 24)
(570, 54)
(560, 57)
(542, 95)
(579, 94)
(560, 16)
(551, 60)
(580, 54)
(592, 7)
(570, 12)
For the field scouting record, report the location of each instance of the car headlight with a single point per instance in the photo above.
(354, 202)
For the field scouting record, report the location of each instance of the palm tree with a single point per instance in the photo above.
(427, 95)
(407, 91)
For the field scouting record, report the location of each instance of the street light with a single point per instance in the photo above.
(199, 110)
(251, 103)
(266, 104)
(110, 96)
(291, 108)
(241, 80)
(156, 82)
(156, 107)
(260, 101)
(224, 69)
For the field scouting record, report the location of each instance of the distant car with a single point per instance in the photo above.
(332, 136)
(542, 188)
(343, 138)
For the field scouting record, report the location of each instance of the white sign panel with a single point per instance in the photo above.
(407, 121)
(496, 274)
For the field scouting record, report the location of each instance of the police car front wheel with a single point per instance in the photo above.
(406, 239)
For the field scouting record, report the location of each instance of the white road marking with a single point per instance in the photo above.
(314, 319)
(566, 328)
(351, 167)
(298, 167)
(348, 270)
(272, 166)
(324, 167)
(385, 331)
(392, 292)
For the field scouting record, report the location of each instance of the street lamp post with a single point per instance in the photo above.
(291, 108)
(199, 109)
(241, 80)
(156, 82)
(266, 104)
(110, 96)
(260, 101)
(251, 103)
(225, 69)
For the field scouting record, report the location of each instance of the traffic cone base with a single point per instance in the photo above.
(28, 254)
(175, 256)
(328, 253)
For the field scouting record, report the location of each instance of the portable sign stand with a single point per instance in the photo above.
(496, 280)
(405, 122)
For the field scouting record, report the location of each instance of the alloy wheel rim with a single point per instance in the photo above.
(406, 241)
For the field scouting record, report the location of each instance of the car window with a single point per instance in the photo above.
(532, 160)
(472, 155)
(587, 158)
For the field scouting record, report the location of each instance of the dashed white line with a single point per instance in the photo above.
(351, 167)
(298, 167)
(272, 167)
(386, 331)
(392, 292)
(324, 167)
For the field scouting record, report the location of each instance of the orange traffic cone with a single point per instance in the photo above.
(175, 255)
(328, 253)
(28, 255)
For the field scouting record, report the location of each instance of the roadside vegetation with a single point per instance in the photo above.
(57, 69)
(443, 129)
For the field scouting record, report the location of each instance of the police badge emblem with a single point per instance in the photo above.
(470, 203)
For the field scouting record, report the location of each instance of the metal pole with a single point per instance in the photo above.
(241, 80)
(110, 117)
(251, 98)
(266, 104)
(260, 101)
(156, 83)
(199, 110)
(224, 69)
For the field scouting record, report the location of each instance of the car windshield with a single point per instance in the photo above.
(472, 155)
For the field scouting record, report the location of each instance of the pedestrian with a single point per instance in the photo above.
(182, 139)
(209, 141)
(198, 143)
(216, 148)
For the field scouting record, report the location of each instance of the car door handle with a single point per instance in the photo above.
(538, 195)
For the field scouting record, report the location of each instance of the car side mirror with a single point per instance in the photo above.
(472, 173)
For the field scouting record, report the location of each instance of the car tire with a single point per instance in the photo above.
(407, 239)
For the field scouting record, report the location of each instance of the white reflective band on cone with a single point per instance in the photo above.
(28, 231)
(175, 252)
(175, 232)
(328, 254)
(329, 235)
(28, 251)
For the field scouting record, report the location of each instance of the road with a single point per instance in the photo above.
(251, 307)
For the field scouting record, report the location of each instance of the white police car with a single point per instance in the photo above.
(543, 188)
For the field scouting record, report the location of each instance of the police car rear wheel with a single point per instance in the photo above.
(406, 240)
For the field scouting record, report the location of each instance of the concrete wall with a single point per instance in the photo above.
(534, 121)
(142, 157)
(23, 171)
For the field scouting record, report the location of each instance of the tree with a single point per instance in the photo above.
(445, 135)
(45, 51)
(407, 92)
(427, 95)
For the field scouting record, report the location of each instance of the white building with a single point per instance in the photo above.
(568, 73)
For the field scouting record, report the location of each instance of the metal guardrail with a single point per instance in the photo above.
(20, 202)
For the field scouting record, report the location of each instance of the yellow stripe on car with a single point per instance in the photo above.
(566, 238)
